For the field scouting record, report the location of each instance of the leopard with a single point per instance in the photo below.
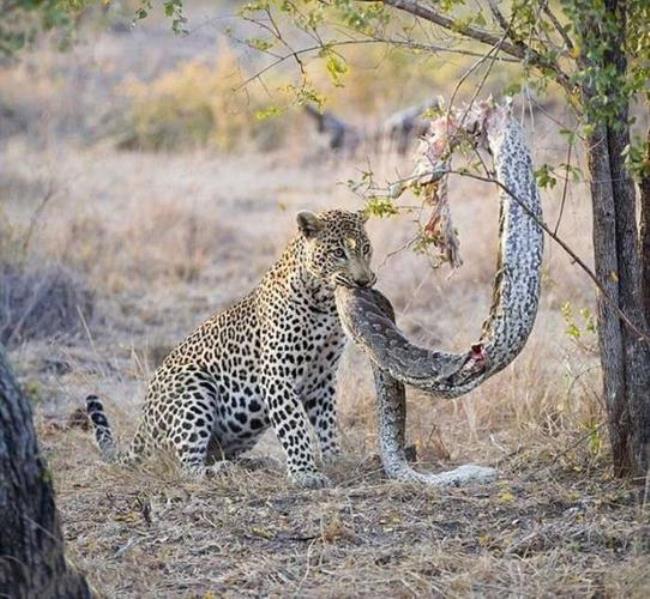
(268, 360)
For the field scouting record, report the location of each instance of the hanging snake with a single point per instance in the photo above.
(368, 317)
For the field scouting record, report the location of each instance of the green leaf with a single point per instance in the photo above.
(573, 331)
(258, 43)
(512, 89)
(545, 176)
(306, 94)
(336, 67)
(380, 206)
(268, 113)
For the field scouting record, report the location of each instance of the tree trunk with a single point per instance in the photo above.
(636, 349)
(625, 358)
(610, 337)
(32, 563)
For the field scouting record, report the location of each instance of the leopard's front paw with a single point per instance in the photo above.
(220, 468)
(309, 480)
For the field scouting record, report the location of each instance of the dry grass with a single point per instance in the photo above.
(39, 303)
(541, 530)
(163, 240)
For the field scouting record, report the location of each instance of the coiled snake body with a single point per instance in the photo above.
(368, 317)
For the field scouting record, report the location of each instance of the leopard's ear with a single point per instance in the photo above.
(363, 215)
(308, 223)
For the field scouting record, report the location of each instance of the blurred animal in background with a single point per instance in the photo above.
(399, 130)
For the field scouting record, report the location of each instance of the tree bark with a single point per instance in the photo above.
(636, 350)
(644, 241)
(625, 358)
(610, 337)
(32, 562)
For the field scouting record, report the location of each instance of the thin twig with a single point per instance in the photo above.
(51, 190)
(479, 87)
(558, 26)
(467, 73)
(402, 43)
(498, 17)
(554, 119)
(580, 441)
(565, 186)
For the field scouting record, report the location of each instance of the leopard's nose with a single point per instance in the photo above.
(366, 279)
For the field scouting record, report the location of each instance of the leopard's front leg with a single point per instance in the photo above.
(321, 409)
(320, 394)
(289, 421)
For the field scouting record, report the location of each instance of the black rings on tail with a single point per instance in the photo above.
(103, 434)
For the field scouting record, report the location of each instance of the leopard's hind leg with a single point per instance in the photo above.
(191, 430)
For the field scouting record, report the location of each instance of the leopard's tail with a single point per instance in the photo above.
(103, 433)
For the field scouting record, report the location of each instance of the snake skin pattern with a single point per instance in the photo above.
(367, 316)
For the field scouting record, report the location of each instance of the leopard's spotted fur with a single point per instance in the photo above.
(269, 360)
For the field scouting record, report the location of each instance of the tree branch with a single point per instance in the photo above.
(498, 16)
(558, 26)
(565, 187)
(518, 48)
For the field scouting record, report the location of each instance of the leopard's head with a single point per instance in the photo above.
(337, 248)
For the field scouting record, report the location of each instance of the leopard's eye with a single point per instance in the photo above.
(339, 253)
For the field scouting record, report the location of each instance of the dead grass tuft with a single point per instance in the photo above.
(41, 302)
